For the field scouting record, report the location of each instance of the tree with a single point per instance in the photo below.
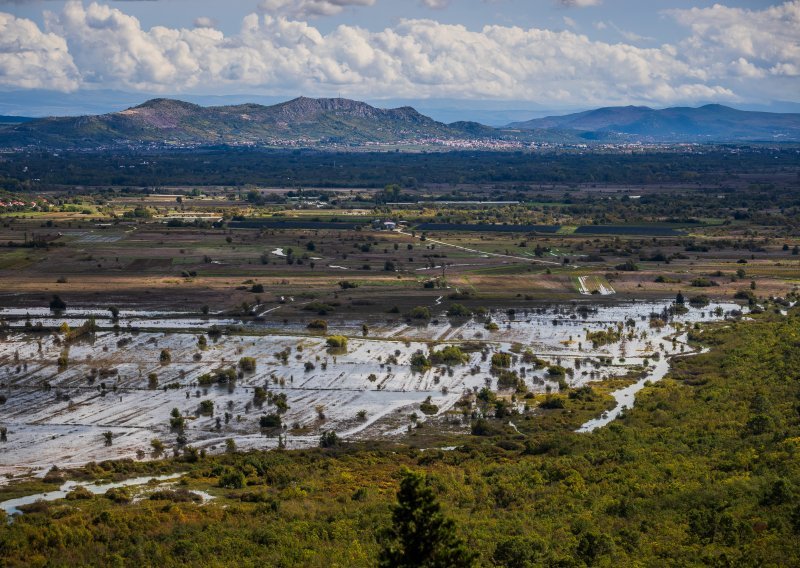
(328, 440)
(158, 447)
(57, 304)
(247, 364)
(420, 313)
(420, 535)
(458, 311)
(270, 421)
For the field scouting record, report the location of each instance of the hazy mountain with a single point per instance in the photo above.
(323, 122)
(679, 124)
(302, 120)
(14, 119)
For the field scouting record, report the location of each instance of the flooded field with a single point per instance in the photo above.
(108, 394)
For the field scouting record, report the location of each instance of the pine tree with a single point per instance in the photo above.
(420, 535)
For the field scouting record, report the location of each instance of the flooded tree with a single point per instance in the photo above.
(157, 446)
(247, 364)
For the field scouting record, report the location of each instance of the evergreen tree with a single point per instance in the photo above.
(420, 535)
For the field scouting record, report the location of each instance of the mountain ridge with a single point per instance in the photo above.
(172, 121)
(713, 122)
(339, 122)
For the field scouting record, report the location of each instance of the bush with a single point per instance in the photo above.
(450, 355)
(481, 427)
(427, 407)
(329, 440)
(337, 342)
(703, 282)
(270, 421)
(519, 552)
(420, 313)
(232, 479)
(419, 362)
(319, 325)
(627, 266)
(604, 336)
(247, 364)
(510, 380)
(80, 492)
(552, 403)
(118, 495)
(501, 360)
(459, 311)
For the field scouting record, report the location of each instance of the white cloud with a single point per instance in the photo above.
(416, 58)
(758, 51)
(302, 9)
(413, 59)
(204, 22)
(570, 22)
(579, 3)
(768, 37)
(435, 4)
(31, 59)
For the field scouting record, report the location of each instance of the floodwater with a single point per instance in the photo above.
(12, 506)
(625, 397)
(115, 381)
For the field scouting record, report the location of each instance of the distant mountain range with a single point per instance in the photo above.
(173, 122)
(306, 122)
(679, 124)
(14, 119)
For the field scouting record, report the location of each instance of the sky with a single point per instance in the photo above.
(482, 54)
